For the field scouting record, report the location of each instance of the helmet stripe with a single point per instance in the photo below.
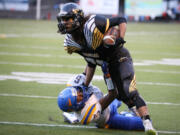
(69, 102)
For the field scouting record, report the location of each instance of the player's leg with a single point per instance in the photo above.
(129, 122)
(123, 76)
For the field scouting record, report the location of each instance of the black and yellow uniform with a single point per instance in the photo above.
(118, 58)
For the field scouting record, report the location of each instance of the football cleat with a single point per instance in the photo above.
(149, 130)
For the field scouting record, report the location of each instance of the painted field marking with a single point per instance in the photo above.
(56, 35)
(31, 47)
(26, 96)
(30, 35)
(39, 55)
(157, 71)
(61, 78)
(44, 125)
(41, 65)
(164, 61)
(79, 67)
(66, 126)
(60, 49)
(51, 97)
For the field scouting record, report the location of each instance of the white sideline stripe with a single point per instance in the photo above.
(66, 126)
(80, 67)
(30, 47)
(56, 35)
(159, 103)
(159, 84)
(50, 97)
(164, 61)
(57, 48)
(61, 78)
(27, 96)
(157, 71)
(33, 35)
(155, 53)
(44, 125)
(42, 65)
(169, 132)
(39, 55)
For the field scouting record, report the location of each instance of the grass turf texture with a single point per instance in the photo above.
(36, 42)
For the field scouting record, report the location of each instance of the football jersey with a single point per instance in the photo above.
(94, 30)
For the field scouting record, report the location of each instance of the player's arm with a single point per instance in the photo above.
(104, 24)
(89, 71)
(106, 100)
(121, 21)
(112, 93)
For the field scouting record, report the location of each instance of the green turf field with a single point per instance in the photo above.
(32, 60)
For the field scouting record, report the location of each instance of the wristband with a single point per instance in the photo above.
(109, 83)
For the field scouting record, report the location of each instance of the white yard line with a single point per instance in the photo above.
(39, 55)
(60, 49)
(30, 47)
(44, 125)
(41, 65)
(56, 35)
(61, 78)
(80, 67)
(65, 126)
(158, 71)
(159, 84)
(51, 97)
(26, 96)
(155, 53)
(32, 35)
(164, 61)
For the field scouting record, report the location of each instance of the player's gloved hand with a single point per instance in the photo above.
(120, 42)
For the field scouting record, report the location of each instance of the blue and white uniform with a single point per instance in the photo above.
(109, 118)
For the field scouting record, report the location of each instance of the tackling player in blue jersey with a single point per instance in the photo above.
(84, 103)
(84, 35)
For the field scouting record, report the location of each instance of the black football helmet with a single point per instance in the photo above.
(73, 11)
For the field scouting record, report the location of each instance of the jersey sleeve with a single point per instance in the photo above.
(116, 21)
(102, 23)
(92, 111)
(70, 46)
(97, 25)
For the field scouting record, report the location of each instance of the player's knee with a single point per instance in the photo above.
(137, 99)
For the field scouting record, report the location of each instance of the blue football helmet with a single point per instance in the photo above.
(67, 99)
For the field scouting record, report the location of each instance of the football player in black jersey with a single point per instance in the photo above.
(84, 35)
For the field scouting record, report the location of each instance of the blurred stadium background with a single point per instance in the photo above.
(34, 66)
(140, 10)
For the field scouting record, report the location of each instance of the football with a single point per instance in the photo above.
(111, 35)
